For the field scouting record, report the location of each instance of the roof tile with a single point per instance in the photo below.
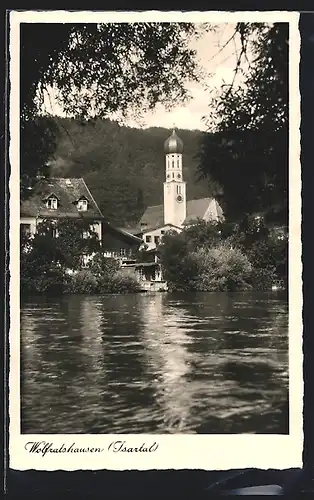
(68, 191)
(195, 209)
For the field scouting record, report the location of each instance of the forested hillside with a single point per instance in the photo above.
(123, 167)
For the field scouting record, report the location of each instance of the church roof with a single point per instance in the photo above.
(173, 144)
(67, 191)
(195, 209)
(153, 217)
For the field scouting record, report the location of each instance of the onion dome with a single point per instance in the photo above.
(173, 144)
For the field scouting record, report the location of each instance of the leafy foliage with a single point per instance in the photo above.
(224, 257)
(248, 153)
(74, 240)
(93, 70)
(52, 262)
(103, 266)
(222, 268)
(84, 281)
(39, 136)
(179, 267)
(119, 283)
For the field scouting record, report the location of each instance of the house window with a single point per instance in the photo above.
(162, 231)
(82, 205)
(148, 238)
(52, 203)
(122, 252)
(156, 239)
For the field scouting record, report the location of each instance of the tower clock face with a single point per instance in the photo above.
(179, 198)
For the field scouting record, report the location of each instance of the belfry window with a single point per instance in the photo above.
(172, 163)
(178, 163)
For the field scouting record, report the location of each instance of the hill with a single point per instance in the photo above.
(123, 167)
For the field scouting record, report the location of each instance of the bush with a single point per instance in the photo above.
(119, 283)
(262, 279)
(222, 268)
(38, 274)
(103, 266)
(270, 263)
(83, 282)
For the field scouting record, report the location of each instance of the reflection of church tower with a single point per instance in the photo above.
(174, 186)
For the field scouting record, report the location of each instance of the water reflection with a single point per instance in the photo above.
(163, 363)
(168, 361)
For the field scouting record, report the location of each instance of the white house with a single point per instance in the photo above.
(60, 198)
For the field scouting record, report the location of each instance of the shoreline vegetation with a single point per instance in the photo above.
(205, 257)
(241, 159)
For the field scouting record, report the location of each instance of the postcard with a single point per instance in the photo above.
(155, 241)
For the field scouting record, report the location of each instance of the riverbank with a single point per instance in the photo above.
(86, 282)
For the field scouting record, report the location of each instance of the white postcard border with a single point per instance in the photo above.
(207, 452)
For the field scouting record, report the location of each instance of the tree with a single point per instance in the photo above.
(247, 149)
(179, 269)
(210, 256)
(57, 246)
(94, 70)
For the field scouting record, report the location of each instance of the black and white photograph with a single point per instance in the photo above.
(156, 176)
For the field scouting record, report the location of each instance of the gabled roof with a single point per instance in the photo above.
(203, 208)
(195, 209)
(68, 192)
(51, 195)
(153, 217)
(131, 230)
(144, 230)
(120, 233)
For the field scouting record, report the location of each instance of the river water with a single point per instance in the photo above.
(155, 363)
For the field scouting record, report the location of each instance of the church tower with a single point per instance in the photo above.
(174, 186)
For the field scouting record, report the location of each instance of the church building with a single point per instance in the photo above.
(176, 212)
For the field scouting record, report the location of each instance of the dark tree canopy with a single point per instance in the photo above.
(94, 70)
(248, 152)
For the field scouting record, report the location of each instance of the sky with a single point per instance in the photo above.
(218, 64)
